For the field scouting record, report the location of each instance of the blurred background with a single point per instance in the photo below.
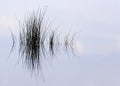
(98, 43)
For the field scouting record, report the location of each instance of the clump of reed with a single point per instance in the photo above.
(69, 43)
(32, 40)
(33, 44)
(53, 43)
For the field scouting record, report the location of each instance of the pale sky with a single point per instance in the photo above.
(98, 43)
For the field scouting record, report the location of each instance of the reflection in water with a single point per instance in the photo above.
(38, 41)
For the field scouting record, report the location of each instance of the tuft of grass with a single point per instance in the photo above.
(69, 42)
(51, 43)
(32, 40)
(33, 34)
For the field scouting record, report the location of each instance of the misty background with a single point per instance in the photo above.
(98, 43)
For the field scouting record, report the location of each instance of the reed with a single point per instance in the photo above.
(69, 42)
(33, 47)
(32, 40)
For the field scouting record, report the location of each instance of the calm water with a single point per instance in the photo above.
(98, 43)
(61, 70)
